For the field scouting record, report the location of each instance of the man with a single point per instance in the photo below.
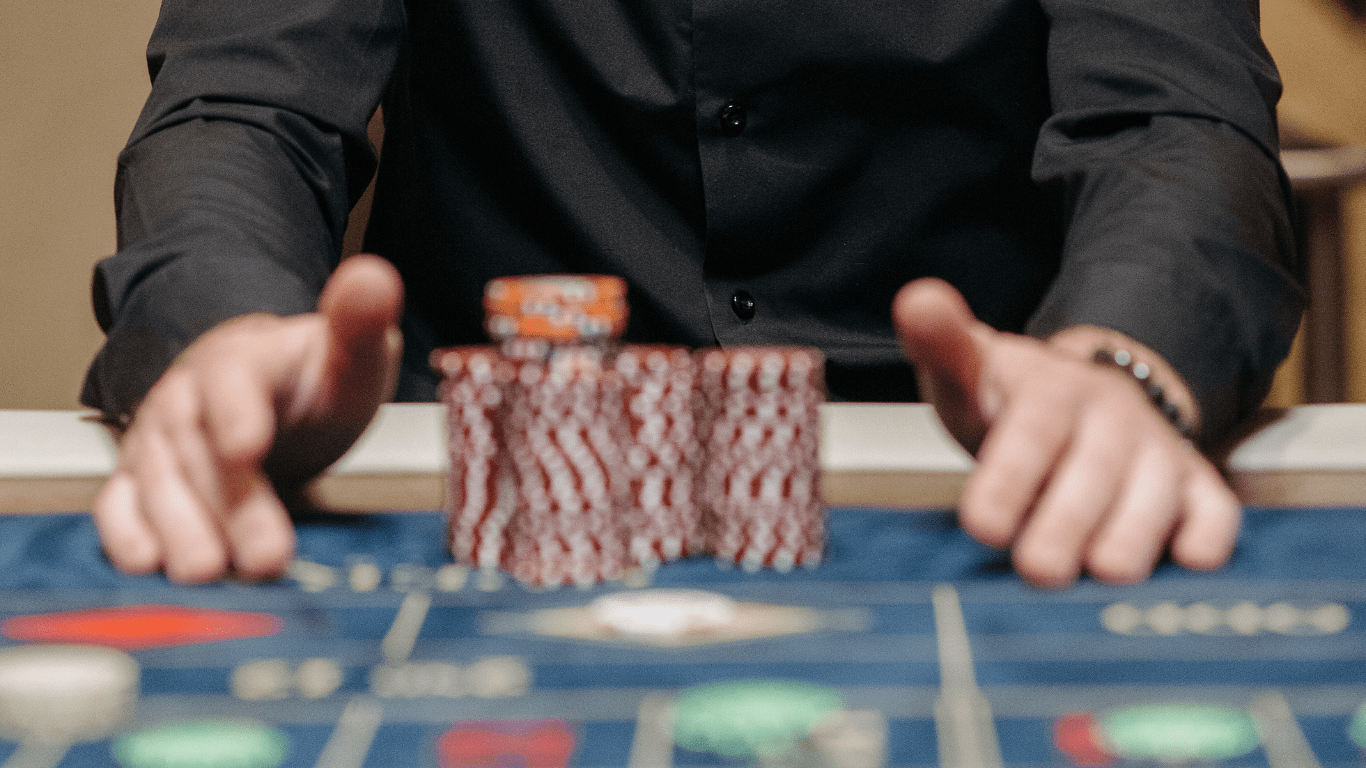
(1098, 173)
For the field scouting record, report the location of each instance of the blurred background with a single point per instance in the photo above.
(73, 77)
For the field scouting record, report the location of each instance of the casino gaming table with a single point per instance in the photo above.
(909, 645)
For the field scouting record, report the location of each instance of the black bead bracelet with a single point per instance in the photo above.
(1143, 375)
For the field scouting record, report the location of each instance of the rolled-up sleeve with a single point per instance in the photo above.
(1163, 143)
(233, 190)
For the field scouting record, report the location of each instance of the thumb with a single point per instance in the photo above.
(351, 373)
(947, 344)
(362, 302)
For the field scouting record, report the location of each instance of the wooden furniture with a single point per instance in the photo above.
(1321, 177)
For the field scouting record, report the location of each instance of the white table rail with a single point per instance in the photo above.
(871, 455)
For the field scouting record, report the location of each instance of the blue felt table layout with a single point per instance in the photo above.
(1037, 654)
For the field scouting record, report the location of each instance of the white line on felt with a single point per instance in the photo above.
(398, 641)
(653, 745)
(351, 739)
(962, 716)
(38, 753)
(1284, 742)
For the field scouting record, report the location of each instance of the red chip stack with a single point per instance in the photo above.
(564, 433)
(761, 441)
(480, 491)
(663, 513)
(574, 459)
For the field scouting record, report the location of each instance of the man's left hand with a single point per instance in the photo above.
(1077, 470)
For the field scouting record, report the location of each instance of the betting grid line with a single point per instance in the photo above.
(1282, 739)
(963, 723)
(359, 722)
(350, 741)
(402, 635)
(653, 743)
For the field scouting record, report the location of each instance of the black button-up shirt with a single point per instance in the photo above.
(759, 171)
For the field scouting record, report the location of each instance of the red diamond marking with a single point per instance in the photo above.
(1079, 736)
(506, 744)
(139, 627)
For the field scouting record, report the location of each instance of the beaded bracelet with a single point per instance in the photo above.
(1142, 373)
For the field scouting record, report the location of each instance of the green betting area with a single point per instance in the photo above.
(750, 718)
(203, 744)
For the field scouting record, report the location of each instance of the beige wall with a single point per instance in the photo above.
(72, 78)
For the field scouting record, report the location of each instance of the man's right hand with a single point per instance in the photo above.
(255, 407)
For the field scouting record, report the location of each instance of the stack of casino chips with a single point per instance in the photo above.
(480, 490)
(575, 458)
(761, 423)
(663, 514)
(564, 433)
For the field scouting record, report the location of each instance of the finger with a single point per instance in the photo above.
(362, 303)
(351, 366)
(1021, 451)
(934, 325)
(191, 542)
(1131, 539)
(239, 421)
(940, 335)
(1050, 548)
(259, 532)
(364, 296)
(1207, 530)
(128, 539)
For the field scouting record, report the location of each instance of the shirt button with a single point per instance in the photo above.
(742, 304)
(732, 119)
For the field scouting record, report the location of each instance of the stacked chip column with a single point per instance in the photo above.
(663, 517)
(564, 427)
(761, 420)
(480, 490)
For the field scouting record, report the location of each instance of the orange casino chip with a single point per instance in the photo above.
(576, 289)
(561, 308)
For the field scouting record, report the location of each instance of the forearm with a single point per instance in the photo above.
(233, 191)
(1163, 146)
(1181, 240)
(205, 235)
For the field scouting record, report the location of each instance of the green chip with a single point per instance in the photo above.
(1356, 731)
(1180, 733)
(748, 718)
(202, 744)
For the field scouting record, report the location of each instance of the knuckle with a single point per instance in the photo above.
(264, 562)
(128, 551)
(172, 403)
(986, 522)
(1045, 569)
(1113, 565)
(132, 555)
(197, 566)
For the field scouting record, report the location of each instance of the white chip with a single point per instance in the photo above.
(65, 693)
(318, 678)
(262, 680)
(663, 612)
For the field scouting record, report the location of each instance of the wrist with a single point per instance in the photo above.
(1158, 380)
(1141, 373)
